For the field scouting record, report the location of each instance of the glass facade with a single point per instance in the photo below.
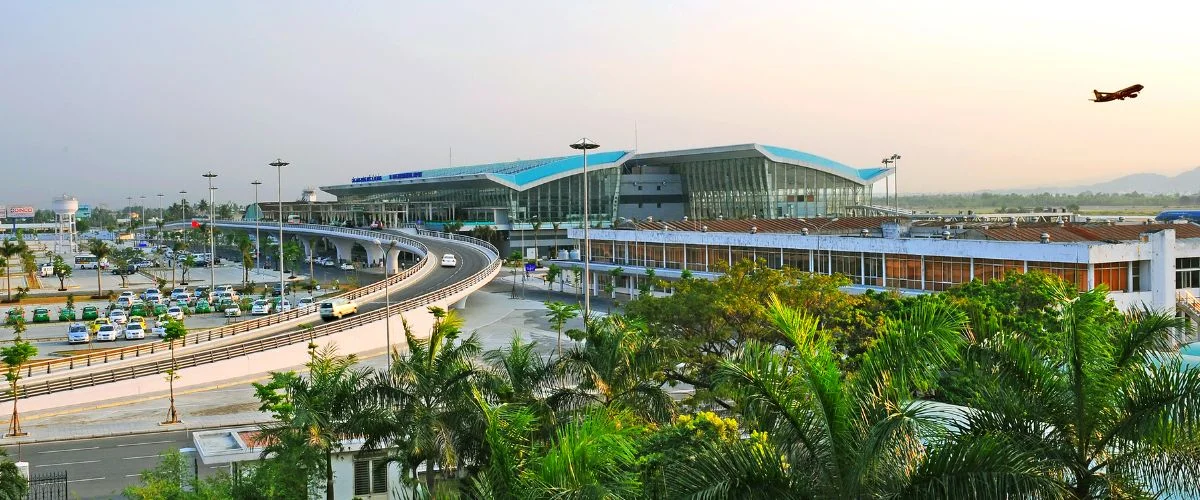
(895, 271)
(741, 188)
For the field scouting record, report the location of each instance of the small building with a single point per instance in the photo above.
(356, 473)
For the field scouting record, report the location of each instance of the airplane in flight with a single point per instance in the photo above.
(1130, 92)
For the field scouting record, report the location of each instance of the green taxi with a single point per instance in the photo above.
(66, 314)
(14, 315)
(138, 309)
(202, 306)
(90, 313)
(41, 315)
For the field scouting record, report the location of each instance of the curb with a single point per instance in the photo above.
(183, 427)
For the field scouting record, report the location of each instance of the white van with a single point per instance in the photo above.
(337, 308)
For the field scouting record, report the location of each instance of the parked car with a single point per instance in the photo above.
(203, 306)
(287, 288)
(98, 323)
(232, 310)
(180, 293)
(77, 333)
(90, 313)
(326, 261)
(137, 310)
(135, 331)
(124, 302)
(66, 314)
(286, 306)
(106, 333)
(260, 308)
(138, 320)
(150, 292)
(224, 289)
(118, 316)
(41, 315)
(346, 266)
(159, 330)
(175, 312)
(14, 315)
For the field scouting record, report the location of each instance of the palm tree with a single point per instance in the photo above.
(1094, 397)
(555, 226)
(8, 250)
(559, 313)
(175, 330)
(246, 248)
(821, 433)
(618, 366)
(312, 413)
(422, 402)
(176, 247)
(537, 224)
(101, 250)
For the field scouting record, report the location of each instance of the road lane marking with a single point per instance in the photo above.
(148, 442)
(133, 475)
(136, 458)
(68, 463)
(85, 480)
(72, 449)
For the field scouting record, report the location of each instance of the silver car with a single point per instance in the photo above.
(77, 333)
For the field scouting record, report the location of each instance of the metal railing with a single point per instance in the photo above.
(135, 351)
(1189, 301)
(157, 366)
(142, 368)
(495, 254)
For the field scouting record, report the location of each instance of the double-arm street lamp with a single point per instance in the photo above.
(585, 145)
(257, 219)
(212, 240)
(279, 164)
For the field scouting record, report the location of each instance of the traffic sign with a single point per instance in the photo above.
(529, 268)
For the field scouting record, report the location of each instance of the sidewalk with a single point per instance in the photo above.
(490, 313)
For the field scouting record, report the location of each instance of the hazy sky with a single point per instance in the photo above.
(112, 99)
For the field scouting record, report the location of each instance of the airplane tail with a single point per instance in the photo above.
(1097, 92)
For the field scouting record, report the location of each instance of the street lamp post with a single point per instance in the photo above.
(279, 164)
(212, 241)
(183, 201)
(129, 208)
(257, 219)
(585, 145)
(887, 181)
(142, 214)
(387, 301)
(895, 159)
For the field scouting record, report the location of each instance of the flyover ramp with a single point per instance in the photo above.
(442, 287)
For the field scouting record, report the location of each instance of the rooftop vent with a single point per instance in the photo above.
(666, 227)
(1062, 223)
(864, 233)
(704, 228)
(1045, 237)
(804, 231)
(945, 235)
(685, 219)
(753, 229)
(1012, 223)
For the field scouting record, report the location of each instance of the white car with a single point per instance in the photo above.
(305, 303)
(449, 260)
(159, 330)
(175, 312)
(150, 292)
(124, 302)
(346, 266)
(77, 333)
(233, 311)
(127, 293)
(107, 333)
(118, 316)
(260, 308)
(134, 331)
(326, 261)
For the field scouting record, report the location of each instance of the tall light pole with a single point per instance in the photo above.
(129, 208)
(895, 159)
(585, 145)
(160, 208)
(183, 201)
(887, 198)
(212, 240)
(257, 219)
(818, 235)
(142, 214)
(279, 164)
(387, 301)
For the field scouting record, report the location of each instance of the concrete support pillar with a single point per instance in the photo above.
(392, 262)
(461, 304)
(1162, 270)
(374, 254)
(309, 244)
(343, 248)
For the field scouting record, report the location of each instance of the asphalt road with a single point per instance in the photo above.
(102, 467)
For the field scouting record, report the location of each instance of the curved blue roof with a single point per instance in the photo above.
(520, 173)
(863, 175)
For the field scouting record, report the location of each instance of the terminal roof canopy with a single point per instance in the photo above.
(524, 174)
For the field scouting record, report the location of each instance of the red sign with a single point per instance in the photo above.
(195, 224)
(20, 212)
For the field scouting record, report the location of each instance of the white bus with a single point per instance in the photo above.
(89, 261)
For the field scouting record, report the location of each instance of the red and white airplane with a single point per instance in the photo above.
(1130, 92)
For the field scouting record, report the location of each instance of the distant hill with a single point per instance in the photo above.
(1185, 183)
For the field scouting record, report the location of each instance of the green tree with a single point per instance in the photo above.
(13, 485)
(293, 254)
(552, 274)
(820, 432)
(312, 415)
(619, 366)
(1093, 396)
(101, 250)
(422, 402)
(559, 314)
(188, 263)
(168, 480)
(174, 331)
(14, 357)
(8, 250)
(62, 271)
(518, 374)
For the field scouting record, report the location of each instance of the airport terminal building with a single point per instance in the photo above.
(734, 182)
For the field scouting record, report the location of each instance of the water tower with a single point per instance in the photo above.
(65, 208)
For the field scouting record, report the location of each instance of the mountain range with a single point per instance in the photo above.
(1147, 183)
